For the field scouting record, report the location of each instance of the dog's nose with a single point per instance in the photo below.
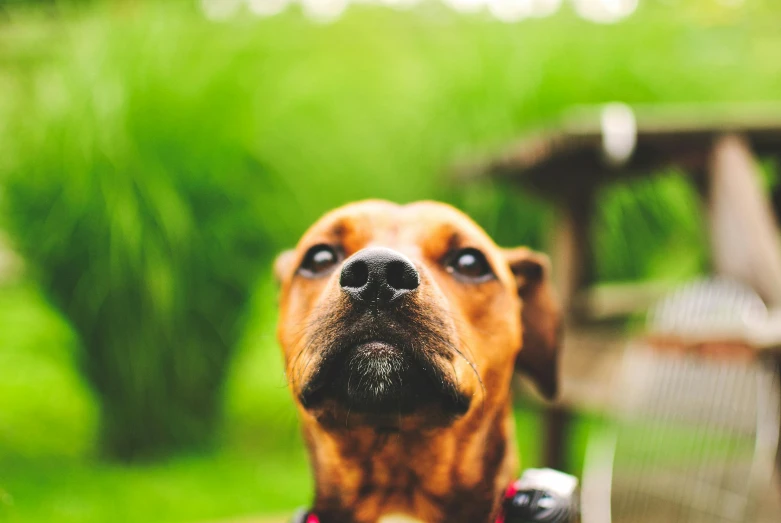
(378, 276)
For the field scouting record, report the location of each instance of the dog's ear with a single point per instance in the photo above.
(282, 264)
(540, 318)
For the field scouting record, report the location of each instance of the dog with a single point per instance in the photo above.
(401, 328)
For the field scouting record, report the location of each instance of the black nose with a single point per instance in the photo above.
(378, 276)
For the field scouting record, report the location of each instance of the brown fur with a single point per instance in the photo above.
(429, 464)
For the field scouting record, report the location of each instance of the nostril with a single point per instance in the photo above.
(401, 275)
(355, 274)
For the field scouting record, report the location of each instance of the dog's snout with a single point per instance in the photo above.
(378, 276)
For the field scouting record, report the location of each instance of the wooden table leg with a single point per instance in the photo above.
(571, 255)
(558, 422)
(572, 271)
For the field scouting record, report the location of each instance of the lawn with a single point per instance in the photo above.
(48, 471)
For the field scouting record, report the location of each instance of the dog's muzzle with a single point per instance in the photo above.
(383, 352)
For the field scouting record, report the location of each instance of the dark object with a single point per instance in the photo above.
(542, 496)
(536, 505)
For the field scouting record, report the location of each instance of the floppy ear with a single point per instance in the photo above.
(540, 318)
(282, 264)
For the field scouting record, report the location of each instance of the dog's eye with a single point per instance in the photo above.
(318, 260)
(471, 265)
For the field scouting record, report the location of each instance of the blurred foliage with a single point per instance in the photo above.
(152, 161)
(633, 237)
(380, 103)
(146, 238)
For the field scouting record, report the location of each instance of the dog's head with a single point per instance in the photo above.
(400, 316)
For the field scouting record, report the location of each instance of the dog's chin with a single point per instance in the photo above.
(381, 385)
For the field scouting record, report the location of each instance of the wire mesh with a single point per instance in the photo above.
(694, 437)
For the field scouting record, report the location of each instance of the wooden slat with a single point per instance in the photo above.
(619, 300)
(744, 236)
(678, 135)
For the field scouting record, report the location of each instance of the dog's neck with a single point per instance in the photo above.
(449, 475)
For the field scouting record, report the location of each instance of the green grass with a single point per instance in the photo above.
(45, 409)
(197, 488)
(48, 471)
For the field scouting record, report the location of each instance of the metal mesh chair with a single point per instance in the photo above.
(696, 417)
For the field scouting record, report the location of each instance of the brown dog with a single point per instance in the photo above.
(401, 327)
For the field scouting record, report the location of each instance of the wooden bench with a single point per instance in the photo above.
(715, 145)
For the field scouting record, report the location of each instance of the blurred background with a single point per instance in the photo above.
(155, 156)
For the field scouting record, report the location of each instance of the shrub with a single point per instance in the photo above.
(133, 196)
